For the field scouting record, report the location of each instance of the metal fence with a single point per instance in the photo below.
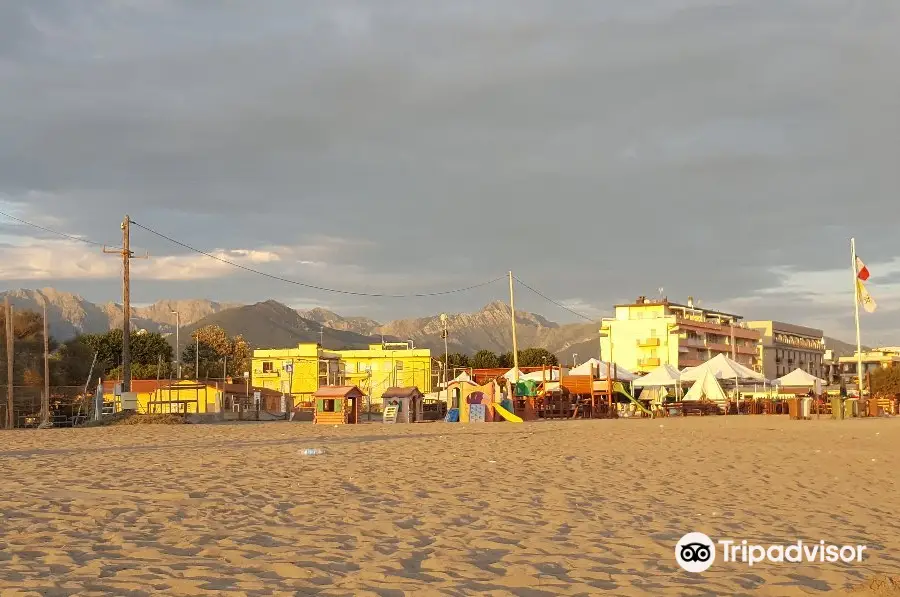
(68, 406)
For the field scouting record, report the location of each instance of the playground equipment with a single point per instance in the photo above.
(506, 414)
(473, 403)
(619, 388)
(405, 405)
(337, 405)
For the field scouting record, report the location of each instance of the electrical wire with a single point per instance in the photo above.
(557, 303)
(51, 231)
(313, 286)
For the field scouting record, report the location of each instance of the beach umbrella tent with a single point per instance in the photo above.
(511, 374)
(601, 370)
(721, 367)
(464, 376)
(706, 387)
(666, 375)
(798, 378)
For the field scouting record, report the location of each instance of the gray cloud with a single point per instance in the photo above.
(601, 149)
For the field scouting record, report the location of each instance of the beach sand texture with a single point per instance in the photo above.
(541, 509)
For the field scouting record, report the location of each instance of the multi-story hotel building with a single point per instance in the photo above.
(786, 347)
(653, 332)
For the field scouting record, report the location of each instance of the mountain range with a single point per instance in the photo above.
(273, 324)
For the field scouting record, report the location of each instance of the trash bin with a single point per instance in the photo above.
(837, 409)
(805, 408)
(851, 408)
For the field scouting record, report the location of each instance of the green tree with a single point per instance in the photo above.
(28, 354)
(536, 357)
(485, 359)
(219, 345)
(885, 382)
(210, 362)
(147, 349)
(71, 364)
(459, 360)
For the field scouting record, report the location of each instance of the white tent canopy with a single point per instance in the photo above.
(798, 378)
(721, 367)
(462, 377)
(706, 387)
(511, 374)
(548, 374)
(601, 370)
(666, 375)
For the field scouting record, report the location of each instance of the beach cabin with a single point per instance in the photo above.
(337, 405)
(408, 402)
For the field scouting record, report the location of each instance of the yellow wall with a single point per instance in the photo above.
(312, 367)
(640, 336)
(390, 366)
(207, 399)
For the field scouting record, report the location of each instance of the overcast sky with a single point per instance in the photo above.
(601, 149)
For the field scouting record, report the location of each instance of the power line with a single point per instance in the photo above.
(557, 303)
(312, 286)
(51, 231)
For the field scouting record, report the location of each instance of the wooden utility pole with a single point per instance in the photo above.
(45, 405)
(515, 344)
(127, 255)
(9, 363)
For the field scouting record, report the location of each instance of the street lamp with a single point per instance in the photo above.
(445, 335)
(177, 344)
(574, 360)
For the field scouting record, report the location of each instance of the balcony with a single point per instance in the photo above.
(648, 342)
(648, 362)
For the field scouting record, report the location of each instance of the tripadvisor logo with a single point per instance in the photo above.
(696, 552)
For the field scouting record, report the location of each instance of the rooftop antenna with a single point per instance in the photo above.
(660, 289)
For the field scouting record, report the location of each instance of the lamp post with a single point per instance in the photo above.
(177, 344)
(445, 334)
(574, 360)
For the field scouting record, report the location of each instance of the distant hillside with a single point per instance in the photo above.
(841, 349)
(271, 324)
(360, 325)
(70, 314)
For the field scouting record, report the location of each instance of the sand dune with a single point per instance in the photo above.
(556, 508)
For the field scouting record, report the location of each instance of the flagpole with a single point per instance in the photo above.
(859, 371)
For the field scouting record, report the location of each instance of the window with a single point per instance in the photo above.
(399, 365)
(328, 406)
(360, 367)
(653, 332)
(652, 353)
(268, 367)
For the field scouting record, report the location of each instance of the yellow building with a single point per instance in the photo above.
(651, 332)
(872, 360)
(297, 372)
(391, 364)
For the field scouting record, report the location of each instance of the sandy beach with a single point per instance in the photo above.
(554, 508)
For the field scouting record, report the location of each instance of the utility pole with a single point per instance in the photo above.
(512, 309)
(45, 405)
(177, 344)
(197, 359)
(9, 363)
(127, 256)
(445, 332)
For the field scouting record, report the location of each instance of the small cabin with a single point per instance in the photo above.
(408, 402)
(337, 405)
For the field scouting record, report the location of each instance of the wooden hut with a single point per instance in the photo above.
(408, 402)
(337, 405)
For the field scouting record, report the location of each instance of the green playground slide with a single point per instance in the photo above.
(620, 388)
